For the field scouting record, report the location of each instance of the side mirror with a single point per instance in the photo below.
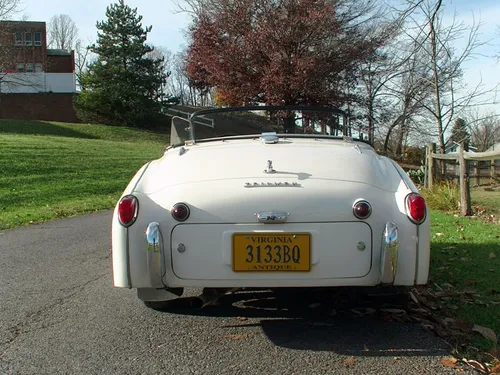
(179, 131)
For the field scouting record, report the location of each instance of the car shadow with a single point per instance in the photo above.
(346, 325)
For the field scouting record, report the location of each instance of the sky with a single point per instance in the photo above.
(170, 25)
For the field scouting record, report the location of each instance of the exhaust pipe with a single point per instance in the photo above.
(210, 296)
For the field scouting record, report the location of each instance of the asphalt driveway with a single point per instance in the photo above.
(59, 313)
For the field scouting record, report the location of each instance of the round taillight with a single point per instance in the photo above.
(362, 209)
(180, 211)
(128, 207)
(415, 208)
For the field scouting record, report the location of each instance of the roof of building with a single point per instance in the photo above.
(495, 147)
(58, 52)
(17, 22)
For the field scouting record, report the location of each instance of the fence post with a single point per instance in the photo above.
(465, 204)
(477, 172)
(492, 171)
(431, 148)
(426, 167)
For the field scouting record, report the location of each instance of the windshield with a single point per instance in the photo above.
(240, 121)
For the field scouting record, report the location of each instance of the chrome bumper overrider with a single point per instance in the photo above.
(389, 256)
(155, 254)
(157, 268)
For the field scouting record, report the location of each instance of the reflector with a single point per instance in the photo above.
(180, 211)
(362, 209)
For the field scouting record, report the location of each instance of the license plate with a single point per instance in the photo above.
(267, 252)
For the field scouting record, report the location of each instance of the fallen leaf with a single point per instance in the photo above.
(349, 362)
(315, 305)
(235, 337)
(447, 285)
(470, 282)
(393, 311)
(443, 294)
(485, 332)
(462, 324)
(363, 311)
(469, 291)
(495, 352)
(492, 255)
(449, 362)
(242, 318)
(414, 298)
(440, 234)
(475, 364)
(495, 370)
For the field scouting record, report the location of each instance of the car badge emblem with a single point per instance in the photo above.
(271, 184)
(269, 168)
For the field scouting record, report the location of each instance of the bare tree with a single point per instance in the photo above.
(445, 63)
(83, 57)
(178, 83)
(62, 32)
(484, 129)
(407, 90)
(9, 8)
(180, 86)
(163, 53)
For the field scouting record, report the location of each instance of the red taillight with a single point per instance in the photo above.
(362, 209)
(180, 211)
(128, 208)
(415, 208)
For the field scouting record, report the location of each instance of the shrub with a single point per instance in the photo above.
(417, 175)
(444, 196)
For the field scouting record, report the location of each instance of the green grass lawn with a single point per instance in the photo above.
(487, 199)
(466, 254)
(52, 170)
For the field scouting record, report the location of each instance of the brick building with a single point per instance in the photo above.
(24, 49)
(36, 82)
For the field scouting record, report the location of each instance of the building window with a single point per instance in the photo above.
(38, 38)
(20, 68)
(19, 38)
(29, 68)
(28, 41)
(38, 68)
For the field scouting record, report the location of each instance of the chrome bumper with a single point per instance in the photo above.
(156, 263)
(389, 256)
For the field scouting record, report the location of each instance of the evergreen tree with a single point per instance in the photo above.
(460, 133)
(123, 85)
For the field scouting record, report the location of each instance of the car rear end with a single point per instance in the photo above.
(325, 214)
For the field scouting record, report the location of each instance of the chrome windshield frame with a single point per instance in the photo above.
(201, 112)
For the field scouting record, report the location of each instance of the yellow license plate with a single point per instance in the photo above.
(261, 252)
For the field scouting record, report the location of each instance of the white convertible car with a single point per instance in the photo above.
(291, 199)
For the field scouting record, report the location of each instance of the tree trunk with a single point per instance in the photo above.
(289, 124)
(388, 135)
(371, 131)
(437, 93)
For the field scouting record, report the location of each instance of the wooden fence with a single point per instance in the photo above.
(462, 161)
